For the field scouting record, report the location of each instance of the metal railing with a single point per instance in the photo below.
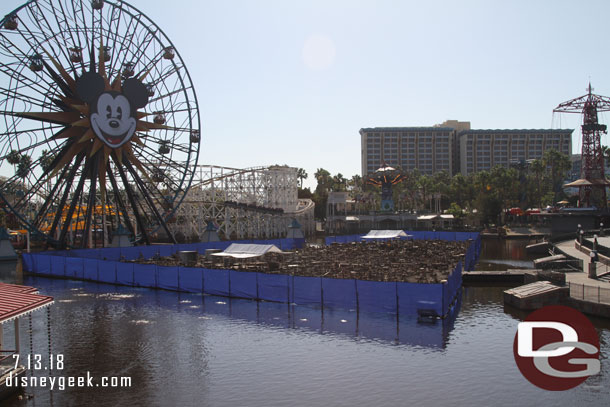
(591, 293)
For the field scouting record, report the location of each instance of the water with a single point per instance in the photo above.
(191, 350)
(504, 254)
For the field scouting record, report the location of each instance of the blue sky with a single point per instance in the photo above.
(292, 82)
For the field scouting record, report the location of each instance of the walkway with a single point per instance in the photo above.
(581, 286)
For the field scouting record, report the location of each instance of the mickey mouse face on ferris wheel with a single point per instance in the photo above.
(112, 114)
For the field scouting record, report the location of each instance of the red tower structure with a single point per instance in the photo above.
(592, 183)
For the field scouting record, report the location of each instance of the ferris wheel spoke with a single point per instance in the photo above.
(27, 82)
(75, 198)
(31, 192)
(61, 14)
(67, 187)
(147, 197)
(115, 16)
(33, 130)
(127, 39)
(33, 83)
(142, 48)
(146, 149)
(49, 198)
(90, 200)
(134, 205)
(121, 207)
(153, 190)
(38, 17)
(150, 64)
(78, 10)
(167, 95)
(167, 73)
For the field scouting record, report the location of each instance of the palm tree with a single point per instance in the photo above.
(355, 182)
(538, 168)
(558, 164)
(339, 182)
(301, 175)
(323, 178)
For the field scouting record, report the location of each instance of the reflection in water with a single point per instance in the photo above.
(146, 334)
(231, 352)
(504, 254)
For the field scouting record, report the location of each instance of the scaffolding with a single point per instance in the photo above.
(251, 203)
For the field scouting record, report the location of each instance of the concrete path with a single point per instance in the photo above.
(595, 290)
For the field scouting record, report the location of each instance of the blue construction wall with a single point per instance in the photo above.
(102, 265)
(163, 250)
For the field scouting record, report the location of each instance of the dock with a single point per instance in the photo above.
(513, 276)
(538, 248)
(536, 295)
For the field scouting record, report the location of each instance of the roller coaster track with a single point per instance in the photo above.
(256, 202)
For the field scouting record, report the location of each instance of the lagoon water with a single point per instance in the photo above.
(192, 350)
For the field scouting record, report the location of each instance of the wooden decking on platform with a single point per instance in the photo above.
(535, 295)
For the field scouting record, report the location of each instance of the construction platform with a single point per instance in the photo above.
(536, 295)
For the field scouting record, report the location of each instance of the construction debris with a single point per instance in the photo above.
(415, 261)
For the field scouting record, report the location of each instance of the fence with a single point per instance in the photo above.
(102, 265)
(590, 293)
(162, 250)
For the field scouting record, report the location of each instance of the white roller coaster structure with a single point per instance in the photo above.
(258, 202)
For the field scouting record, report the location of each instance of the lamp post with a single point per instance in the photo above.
(593, 264)
(601, 228)
(582, 232)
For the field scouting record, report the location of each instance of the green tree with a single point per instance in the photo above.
(320, 195)
(558, 165)
(305, 193)
(301, 175)
(537, 169)
(339, 183)
(456, 210)
(425, 184)
(460, 190)
(355, 183)
(324, 180)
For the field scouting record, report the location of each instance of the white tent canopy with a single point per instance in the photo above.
(244, 251)
(385, 234)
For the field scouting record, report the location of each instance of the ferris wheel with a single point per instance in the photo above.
(99, 123)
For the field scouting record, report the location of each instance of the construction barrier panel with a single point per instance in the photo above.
(168, 278)
(90, 270)
(191, 279)
(375, 296)
(125, 273)
(274, 287)
(106, 271)
(145, 276)
(306, 290)
(339, 293)
(243, 284)
(216, 282)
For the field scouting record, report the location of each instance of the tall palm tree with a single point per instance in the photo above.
(301, 175)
